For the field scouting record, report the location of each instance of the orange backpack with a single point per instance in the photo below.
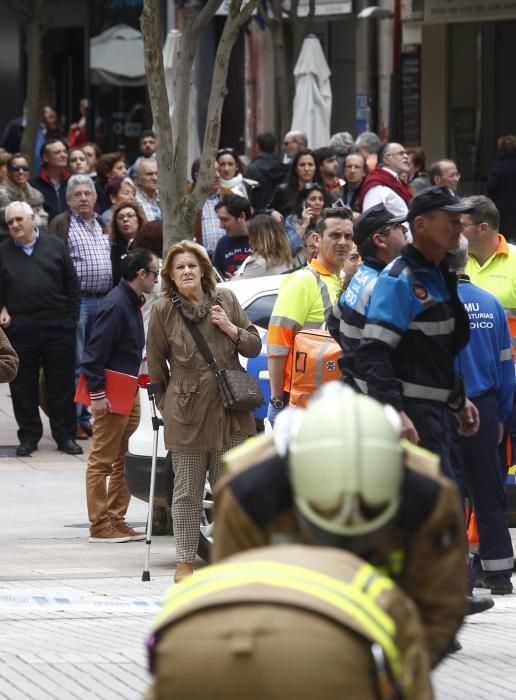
(314, 361)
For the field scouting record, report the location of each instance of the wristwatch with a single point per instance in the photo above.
(277, 403)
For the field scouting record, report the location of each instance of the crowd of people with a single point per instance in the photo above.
(416, 285)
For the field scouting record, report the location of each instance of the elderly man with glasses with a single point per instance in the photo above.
(305, 299)
(384, 184)
(39, 302)
(89, 245)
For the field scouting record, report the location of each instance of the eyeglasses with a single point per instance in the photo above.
(17, 168)
(153, 272)
(121, 217)
(385, 231)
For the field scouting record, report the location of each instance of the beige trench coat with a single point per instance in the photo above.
(194, 417)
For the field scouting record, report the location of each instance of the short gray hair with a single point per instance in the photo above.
(140, 161)
(25, 207)
(370, 140)
(458, 258)
(76, 181)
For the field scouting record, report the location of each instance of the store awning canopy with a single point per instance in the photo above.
(116, 57)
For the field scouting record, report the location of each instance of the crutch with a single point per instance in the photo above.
(152, 389)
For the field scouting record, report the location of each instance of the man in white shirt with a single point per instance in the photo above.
(383, 184)
(146, 179)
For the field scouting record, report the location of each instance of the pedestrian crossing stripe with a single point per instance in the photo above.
(59, 603)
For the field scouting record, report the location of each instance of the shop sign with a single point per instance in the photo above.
(444, 11)
(322, 7)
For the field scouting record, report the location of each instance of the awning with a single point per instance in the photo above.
(116, 57)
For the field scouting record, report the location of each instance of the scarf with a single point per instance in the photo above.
(236, 185)
(380, 176)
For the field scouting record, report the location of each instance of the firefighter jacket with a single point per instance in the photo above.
(268, 620)
(423, 550)
(416, 325)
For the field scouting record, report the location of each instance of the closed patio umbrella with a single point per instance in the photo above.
(313, 98)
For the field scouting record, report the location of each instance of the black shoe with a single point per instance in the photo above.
(498, 585)
(454, 647)
(25, 449)
(70, 447)
(478, 604)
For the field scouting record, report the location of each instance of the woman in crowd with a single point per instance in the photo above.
(150, 237)
(417, 176)
(198, 429)
(271, 251)
(77, 162)
(128, 219)
(93, 153)
(4, 160)
(311, 200)
(17, 189)
(229, 179)
(118, 190)
(109, 165)
(303, 171)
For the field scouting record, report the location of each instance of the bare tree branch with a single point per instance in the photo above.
(205, 16)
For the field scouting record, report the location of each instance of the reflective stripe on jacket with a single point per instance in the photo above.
(304, 301)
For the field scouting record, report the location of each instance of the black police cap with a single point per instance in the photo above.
(373, 221)
(436, 197)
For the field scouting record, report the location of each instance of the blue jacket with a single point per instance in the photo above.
(117, 337)
(348, 318)
(486, 362)
(416, 325)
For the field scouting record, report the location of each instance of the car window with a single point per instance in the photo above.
(260, 310)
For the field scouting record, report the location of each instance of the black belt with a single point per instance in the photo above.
(93, 295)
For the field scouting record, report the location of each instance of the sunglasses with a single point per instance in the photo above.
(156, 274)
(230, 151)
(17, 168)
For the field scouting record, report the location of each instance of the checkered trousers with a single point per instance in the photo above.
(189, 477)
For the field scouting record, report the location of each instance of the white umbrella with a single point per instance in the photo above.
(313, 100)
(116, 57)
(169, 55)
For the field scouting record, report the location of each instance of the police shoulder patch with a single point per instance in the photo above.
(420, 291)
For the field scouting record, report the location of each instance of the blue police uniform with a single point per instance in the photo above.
(416, 325)
(348, 318)
(486, 364)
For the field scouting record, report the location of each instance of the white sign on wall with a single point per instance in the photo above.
(468, 10)
(322, 7)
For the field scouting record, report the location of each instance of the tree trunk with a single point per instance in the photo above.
(179, 207)
(33, 46)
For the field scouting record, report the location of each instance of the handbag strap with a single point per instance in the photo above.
(202, 345)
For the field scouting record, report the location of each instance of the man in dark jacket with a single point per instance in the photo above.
(51, 181)
(39, 302)
(116, 343)
(267, 169)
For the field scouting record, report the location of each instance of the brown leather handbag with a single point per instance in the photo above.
(239, 390)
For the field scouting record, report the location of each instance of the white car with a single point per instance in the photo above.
(257, 297)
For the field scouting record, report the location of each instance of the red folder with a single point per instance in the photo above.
(120, 390)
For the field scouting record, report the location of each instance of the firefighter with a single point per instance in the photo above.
(299, 621)
(423, 550)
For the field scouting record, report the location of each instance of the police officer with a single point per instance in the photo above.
(416, 325)
(487, 366)
(255, 508)
(303, 621)
(379, 237)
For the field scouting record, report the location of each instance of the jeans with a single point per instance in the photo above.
(87, 315)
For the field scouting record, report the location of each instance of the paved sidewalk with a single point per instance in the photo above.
(74, 616)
